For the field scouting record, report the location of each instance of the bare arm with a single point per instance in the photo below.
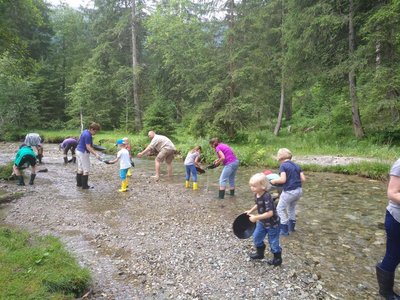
(280, 180)
(221, 158)
(302, 177)
(91, 150)
(251, 209)
(144, 152)
(393, 191)
(263, 216)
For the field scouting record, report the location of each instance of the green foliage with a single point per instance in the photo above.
(38, 268)
(6, 170)
(159, 116)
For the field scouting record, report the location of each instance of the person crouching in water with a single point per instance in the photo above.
(124, 164)
(25, 157)
(191, 162)
(69, 144)
(267, 220)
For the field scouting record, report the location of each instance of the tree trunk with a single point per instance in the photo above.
(282, 101)
(281, 105)
(358, 130)
(136, 71)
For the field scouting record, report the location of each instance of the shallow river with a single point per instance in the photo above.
(339, 219)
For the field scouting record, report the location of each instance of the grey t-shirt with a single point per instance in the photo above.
(393, 207)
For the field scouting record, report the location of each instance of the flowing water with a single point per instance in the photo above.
(339, 231)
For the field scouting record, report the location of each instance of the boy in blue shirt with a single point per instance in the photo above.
(291, 176)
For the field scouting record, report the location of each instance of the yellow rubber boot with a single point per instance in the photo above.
(123, 186)
(129, 173)
(195, 186)
(187, 184)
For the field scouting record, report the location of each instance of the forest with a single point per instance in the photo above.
(203, 68)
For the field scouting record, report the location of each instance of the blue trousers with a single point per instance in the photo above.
(191, 169)
(273, 237)
(392, 255)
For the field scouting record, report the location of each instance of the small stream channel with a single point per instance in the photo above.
(339, 224)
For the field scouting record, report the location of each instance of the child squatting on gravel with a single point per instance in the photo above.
(124, 164)
(267, 220)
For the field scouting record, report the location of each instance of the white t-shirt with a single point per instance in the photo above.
(124, 160)
(393, 207)
(191, 157)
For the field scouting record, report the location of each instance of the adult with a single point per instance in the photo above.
(69, 144)
(231, 165)
(385, 270)
(165, 149)
(34, 140)
(83, 150)
(25, 157)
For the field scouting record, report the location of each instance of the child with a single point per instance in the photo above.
(128, 147)
(67, 145)
(291, 176)
(124, 164)
(191, 162)
(268, 220)
(25, 157)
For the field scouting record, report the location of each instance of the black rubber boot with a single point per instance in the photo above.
(277, 260)
(85, 179)
(259, 254)
(79, 180)
(40, 156)
(65, 160)
(32, 179)
(73, 159)
(232, 193)
(386, 282)
(21, 180)
(221, 194)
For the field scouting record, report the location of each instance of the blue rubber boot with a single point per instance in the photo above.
(292, 224)
(284, 229)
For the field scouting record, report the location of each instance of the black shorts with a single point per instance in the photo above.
(26, 161)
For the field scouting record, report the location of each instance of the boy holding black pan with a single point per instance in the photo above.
(267, 220)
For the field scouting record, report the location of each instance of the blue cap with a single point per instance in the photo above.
(120, 142)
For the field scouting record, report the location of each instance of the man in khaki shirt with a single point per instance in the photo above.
(165, 149)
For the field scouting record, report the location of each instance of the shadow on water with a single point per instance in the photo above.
(339, 219)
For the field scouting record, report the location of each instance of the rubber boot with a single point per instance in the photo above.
(187, 184)
(32, 179)
(284, 229)
(123, 186)
(291, 224)
(277, 260)
(232, 193)
(85, 179)
(21, 180)
(221, 194)
(65, 160)
(73, 159)
(195, 186)
(79, 180)
(259, 254)
(386, 282)
(40, 156)
(129, 173)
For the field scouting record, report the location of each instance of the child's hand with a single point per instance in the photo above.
(247, 212)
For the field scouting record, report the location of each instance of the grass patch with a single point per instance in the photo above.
(260, 147)
(6, 170)
(34, 267)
